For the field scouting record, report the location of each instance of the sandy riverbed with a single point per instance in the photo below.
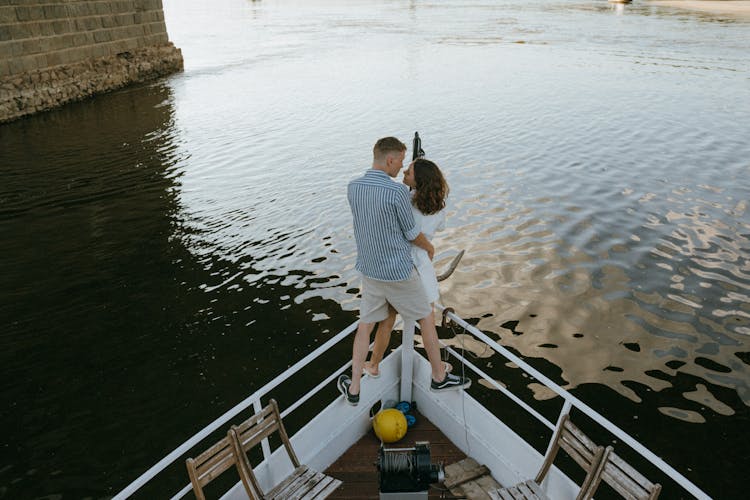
(731, 7)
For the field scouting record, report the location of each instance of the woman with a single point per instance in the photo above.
(429, 191)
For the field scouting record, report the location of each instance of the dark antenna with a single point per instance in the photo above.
(418, 152)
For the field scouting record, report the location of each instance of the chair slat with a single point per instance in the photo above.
(210, 453)
(216, 464)
(325, 486)
(206, 475)
(299, 488)
(527, 492)
(294, 487)
(582, 456)
(504, 494)
(255, 435)
(306, 490)
(262, 415)
(536, 489)
(578, 445)
(514, 493)
(631, 473)
(284, 484)
(209, 465)
(579, 435)
(624, 479)
(249, 430)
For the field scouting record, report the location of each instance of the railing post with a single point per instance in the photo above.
(407, 360)
(263, 444)
(565, 410)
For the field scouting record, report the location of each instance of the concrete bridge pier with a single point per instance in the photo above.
(53, 52)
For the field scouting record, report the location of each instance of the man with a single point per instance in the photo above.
(384, 229)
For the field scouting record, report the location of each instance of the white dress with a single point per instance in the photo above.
(429, 225)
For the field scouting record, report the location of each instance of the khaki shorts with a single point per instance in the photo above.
(407, 297)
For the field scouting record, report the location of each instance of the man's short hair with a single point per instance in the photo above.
(387, 145)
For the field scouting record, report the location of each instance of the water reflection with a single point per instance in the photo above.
(87, 213)
(618, 8)
(678, 280)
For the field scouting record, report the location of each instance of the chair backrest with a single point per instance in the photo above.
(210, 464)
(252, 432)
(583, 450)
(624, 479)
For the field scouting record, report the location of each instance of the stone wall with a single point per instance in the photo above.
(57, 51)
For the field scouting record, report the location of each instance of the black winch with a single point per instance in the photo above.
(406, 473)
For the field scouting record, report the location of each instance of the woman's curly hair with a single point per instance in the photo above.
(431, 188)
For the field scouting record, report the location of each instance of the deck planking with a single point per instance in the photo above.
(358, 471)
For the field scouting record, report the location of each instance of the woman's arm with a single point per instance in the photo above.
(422, 242)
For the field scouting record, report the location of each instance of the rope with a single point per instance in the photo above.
(447, 322)
(398, 462)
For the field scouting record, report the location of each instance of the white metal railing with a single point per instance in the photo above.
(255, 398)
(502, 389)
(570, 400)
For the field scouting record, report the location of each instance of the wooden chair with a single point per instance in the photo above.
(210, 464)
(585, 452)
(624, 479)
(302, 483)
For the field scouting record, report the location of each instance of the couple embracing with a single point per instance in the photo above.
(394, 255)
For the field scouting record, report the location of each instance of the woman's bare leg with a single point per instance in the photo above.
(382, 339)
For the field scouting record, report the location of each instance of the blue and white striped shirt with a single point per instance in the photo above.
(383, 226)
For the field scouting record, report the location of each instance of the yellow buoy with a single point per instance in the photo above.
(389, 425)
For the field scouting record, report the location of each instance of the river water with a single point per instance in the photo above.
(169, 248)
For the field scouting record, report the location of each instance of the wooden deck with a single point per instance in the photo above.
(357, 470)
